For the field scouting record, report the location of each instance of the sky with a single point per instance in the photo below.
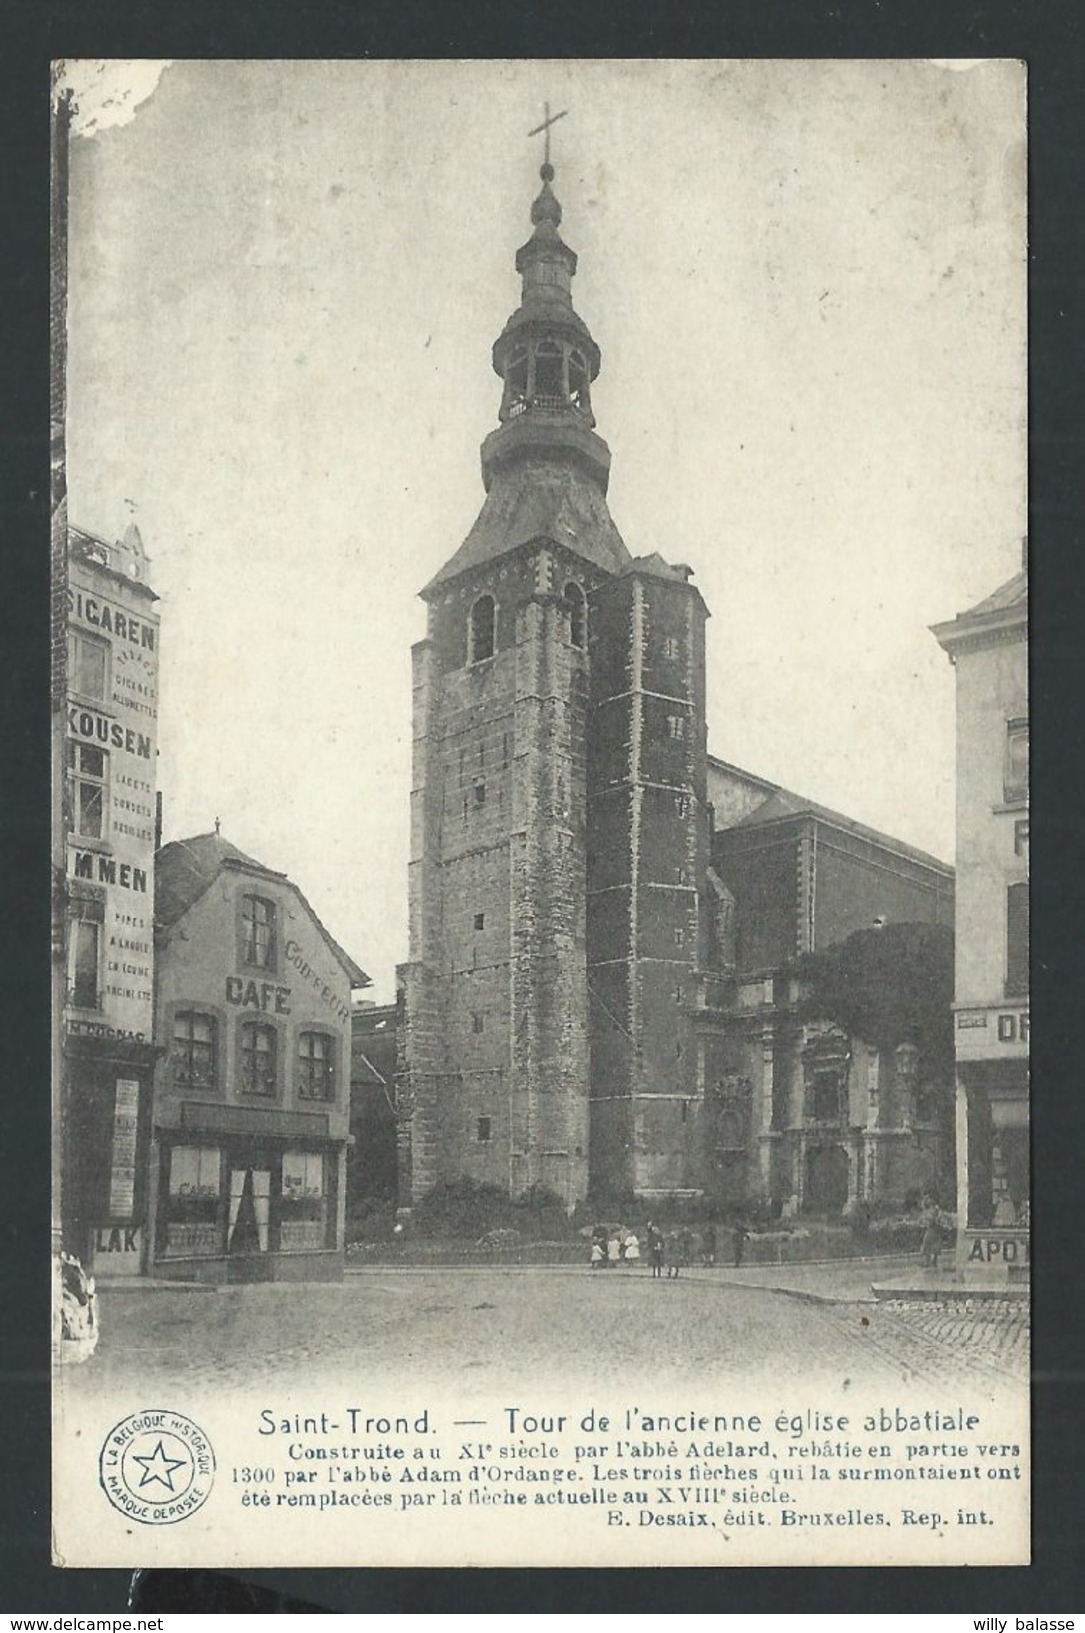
(807, 281)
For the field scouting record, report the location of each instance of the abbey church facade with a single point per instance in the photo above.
(600, 912)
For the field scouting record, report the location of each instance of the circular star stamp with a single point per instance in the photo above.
(157, 1467)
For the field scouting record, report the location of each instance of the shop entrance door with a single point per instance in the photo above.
(250, 1204)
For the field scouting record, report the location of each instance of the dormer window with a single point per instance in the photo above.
(573, 596)
(480, 633)
(258, 932)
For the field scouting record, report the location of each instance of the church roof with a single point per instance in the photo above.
(1003, 610)
(1007, 598)
(535, 501)
(186, 868)
(653, 566)
(782, 804)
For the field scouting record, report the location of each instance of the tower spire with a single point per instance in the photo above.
(545, 355)
(544, 128)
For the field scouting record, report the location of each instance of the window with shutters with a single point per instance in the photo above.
(1015, 777)
(1017, 940)
(88, 665)
(85, 956)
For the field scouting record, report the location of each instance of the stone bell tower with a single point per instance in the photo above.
(494, 1070)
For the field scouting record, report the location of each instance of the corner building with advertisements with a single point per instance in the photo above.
(104, 899)
(988, 647)
(572, 1011)
(247, 1161)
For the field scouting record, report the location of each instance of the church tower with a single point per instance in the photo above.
(494, 1071)
(563, 911)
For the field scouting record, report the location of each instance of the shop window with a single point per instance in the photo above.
(88, 665)
(303, 1215)
(480, 632)
(258, 1059)
(192, 1055)
(576, 607)
(484, 1131)
(193, 1222)
(1017, 940)
(1015, 779)
(85, 957)
(315, 1066)
(88, 782)
(258, 932)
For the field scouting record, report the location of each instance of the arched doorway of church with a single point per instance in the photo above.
(826, 1188)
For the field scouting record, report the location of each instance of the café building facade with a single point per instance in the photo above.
(988, 646)
(247, 1166)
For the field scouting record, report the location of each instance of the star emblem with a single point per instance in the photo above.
(158, 1466)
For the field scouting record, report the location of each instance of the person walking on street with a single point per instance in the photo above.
(739, 1235)
(931, 1245)
(708, 1241)
(655, 1250)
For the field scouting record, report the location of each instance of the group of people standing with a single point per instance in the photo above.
(611, 1246)
(667, 1253)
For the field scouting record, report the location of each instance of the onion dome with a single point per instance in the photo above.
(545, 355)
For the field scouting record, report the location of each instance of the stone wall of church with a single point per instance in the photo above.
(495, 1056)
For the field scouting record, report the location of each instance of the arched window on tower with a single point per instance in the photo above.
(579, 382)
(480, 630)
(573, 596)
(549, 384)
(515, 384)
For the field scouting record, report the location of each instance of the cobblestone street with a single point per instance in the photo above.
(486, 1328)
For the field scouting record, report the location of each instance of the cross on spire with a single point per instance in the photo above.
(544, 129)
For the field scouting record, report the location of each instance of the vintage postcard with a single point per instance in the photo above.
(541, 813)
